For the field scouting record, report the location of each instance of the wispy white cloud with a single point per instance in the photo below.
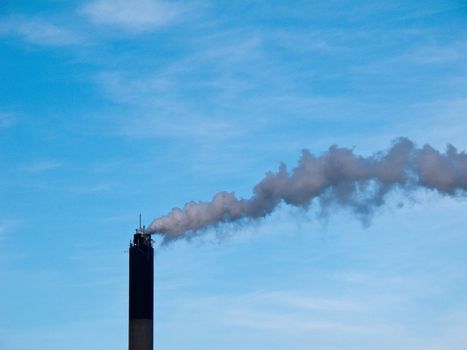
(162, 101)
(304, 302)
(135, 16)
(38, 31)
(92, 188)
(282, 310)
(383, 316)
(6, 120)
(423, 53)
(286, 323)
(6, 226)
(3, 228)
(40, 166)
(168, 116)
(437, 54)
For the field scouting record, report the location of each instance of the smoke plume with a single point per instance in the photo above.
(338, 176)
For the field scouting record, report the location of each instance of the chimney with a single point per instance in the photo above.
(141, 303)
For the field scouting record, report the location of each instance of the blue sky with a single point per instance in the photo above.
(109, 109)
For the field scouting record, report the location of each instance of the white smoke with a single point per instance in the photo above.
(336, 177)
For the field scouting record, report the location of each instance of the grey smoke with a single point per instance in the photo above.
(336, 177)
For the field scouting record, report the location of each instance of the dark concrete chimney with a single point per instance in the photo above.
(141, 308)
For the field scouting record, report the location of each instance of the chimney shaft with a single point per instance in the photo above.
(141, 294)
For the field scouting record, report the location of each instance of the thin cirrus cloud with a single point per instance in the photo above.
(40, 166)
(3, 228)
(6, 227)
(38, 31)
(6, 120)
(133, 16)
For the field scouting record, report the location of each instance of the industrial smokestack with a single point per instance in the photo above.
(337, 177)
(141, 294)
